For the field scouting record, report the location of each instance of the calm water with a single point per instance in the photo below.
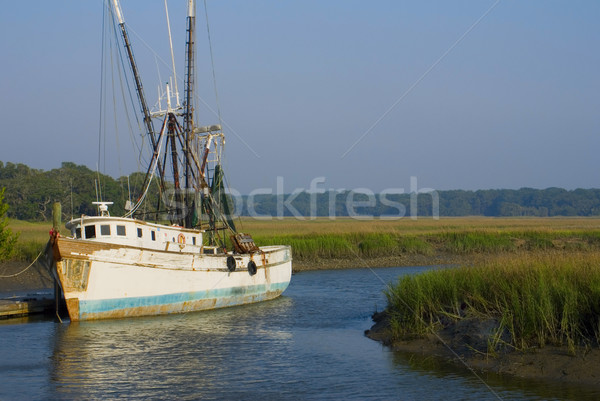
(308, 344)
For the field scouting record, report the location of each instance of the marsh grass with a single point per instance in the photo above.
(466, 242)
(477, 241)
(32, 238)
(348, 238)
(539, 298)
(349, 245)
(292, 226)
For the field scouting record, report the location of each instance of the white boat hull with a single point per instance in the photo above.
(102, 281)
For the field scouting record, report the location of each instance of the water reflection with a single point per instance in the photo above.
(187, 355)
(308, 344)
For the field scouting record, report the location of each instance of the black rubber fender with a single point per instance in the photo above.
(252, 268)
(231, 263)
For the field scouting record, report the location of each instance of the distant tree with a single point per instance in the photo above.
(30, 193)
(7, 238)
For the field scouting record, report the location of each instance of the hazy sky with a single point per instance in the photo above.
(460, 94)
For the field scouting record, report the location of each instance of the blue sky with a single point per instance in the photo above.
(364, 94)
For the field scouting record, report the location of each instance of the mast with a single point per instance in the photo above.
(172, 134)
(188, 117)
(195, 192)
(136, 76)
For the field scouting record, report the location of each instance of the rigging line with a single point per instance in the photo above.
(229, 127)
(212, 62)
(196, 96)
(99, 194)
(112, 75)
(233, 198)
(102, 72)
(364, 262)
(123, 92)
(130, 29)
(102, 117)
(123, 73)
(158, 99)
(25, 269)
(156, 156)
(141, 96)
(418, 81)
(172, 55)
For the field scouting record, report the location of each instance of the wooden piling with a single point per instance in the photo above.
(56, 223)
(56, 216)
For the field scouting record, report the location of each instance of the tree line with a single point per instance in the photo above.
(30, 193)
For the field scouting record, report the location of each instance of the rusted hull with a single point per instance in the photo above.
(165, 304)
(99, 281)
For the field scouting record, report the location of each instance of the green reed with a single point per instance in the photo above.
(464, 242)
(539, 298)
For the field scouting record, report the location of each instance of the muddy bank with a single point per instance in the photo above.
(34, 278)
(387, 261)
(465, 345)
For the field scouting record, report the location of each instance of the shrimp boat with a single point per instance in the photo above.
(113, 267)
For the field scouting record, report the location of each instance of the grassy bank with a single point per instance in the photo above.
(422, 240)
(434, 239)
(536, 298)
(369, 245)
(32, 238)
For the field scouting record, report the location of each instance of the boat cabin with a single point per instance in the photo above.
(136, 233)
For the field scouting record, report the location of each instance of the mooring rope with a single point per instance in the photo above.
(25, 269)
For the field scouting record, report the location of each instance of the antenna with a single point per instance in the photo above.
(159, 98)
(169, 109)
(71, 182)
(128, 204)
(103, 207)
(172, 56)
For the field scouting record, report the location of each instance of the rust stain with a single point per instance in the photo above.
(74, 274)
(188, 306)
(79, 248)
(243, 243)
(73, 267)
(73, 308)
(264, 258)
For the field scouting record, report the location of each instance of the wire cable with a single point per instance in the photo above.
(212, 63)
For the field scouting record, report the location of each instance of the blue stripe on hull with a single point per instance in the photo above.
(177, 303)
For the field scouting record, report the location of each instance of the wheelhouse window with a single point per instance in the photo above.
(121, 230)
(153, 235)
(90, 231)
(139, 231)
(194, 240)
(105, 229)
(78, 232)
